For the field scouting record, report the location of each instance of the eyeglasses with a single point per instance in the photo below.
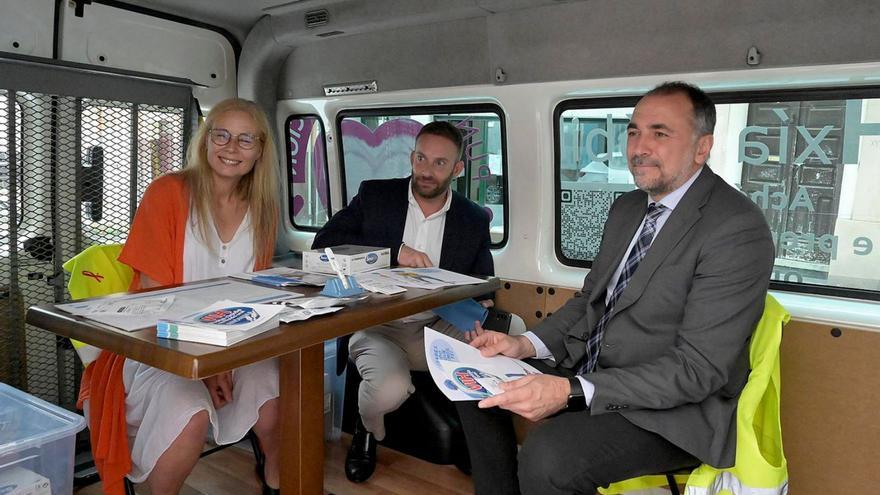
(221, 137)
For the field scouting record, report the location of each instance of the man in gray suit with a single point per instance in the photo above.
(643, 367)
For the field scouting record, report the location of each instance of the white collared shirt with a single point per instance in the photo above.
(422, 233)
(425, 234)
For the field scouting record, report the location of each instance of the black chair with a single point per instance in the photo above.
(426, 425)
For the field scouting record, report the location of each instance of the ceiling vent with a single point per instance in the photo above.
(317, 18)
(354, 88)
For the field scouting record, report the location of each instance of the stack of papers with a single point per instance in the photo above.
(222, 323)
(425, 278)
(395, 280)
(132, 312)
(134, 307)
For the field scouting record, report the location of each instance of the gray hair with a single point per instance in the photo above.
(704, 107)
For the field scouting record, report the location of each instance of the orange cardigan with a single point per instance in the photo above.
(155, 248)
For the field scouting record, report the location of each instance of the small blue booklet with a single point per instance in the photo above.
(281, 276)
(277, 280)
(463, 314)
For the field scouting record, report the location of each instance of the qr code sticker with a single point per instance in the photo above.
(582, 218)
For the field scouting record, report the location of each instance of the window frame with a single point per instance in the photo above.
(433, 109)
(289, 177)
(719, 98)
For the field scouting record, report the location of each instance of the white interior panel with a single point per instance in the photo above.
(127, 40)
(26, 27)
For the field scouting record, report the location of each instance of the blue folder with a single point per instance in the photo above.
(276, 280)
(463, 314)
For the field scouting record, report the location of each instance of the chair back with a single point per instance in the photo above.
(760, 465)
(96, 272)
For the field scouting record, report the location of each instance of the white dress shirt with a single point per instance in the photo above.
(425, 234)
(422, 233)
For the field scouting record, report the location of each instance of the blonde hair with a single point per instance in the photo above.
(258, 188)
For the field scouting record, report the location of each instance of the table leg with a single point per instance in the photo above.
(302, 421)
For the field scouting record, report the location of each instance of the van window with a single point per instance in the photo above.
(81, 165)
(377, 144)
(127, 145)
(808, 159)
(309, 201)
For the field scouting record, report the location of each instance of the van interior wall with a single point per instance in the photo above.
(554, 41)
(574, 40)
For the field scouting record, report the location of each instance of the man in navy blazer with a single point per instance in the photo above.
(424, 223)
(644, 367)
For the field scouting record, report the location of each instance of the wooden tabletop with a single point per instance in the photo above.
(193, 360)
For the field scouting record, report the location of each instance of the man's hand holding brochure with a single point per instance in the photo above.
(462, 373)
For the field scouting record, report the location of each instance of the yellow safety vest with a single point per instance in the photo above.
(760, 467)
(96, 272)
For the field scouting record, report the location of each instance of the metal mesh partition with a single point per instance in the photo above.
(77, 170)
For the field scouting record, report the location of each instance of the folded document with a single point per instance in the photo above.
(463, 314)
(222, 323)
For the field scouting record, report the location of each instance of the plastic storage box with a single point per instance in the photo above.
(37, 441)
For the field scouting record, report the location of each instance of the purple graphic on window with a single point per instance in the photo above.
(471, 136)
(300, 132)
(300, 145)
(382, 153)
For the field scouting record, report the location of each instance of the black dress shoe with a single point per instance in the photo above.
(360, 462)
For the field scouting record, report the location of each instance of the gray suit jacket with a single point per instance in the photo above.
(674, 357)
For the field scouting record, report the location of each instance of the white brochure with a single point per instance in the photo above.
(426, 278)
(462, 373)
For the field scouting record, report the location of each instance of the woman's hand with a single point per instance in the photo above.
(220, 388)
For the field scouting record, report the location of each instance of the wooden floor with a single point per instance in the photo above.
(231, 472)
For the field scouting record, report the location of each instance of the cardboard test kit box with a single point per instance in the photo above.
(352, 259)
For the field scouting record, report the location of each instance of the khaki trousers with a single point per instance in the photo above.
(384, 356)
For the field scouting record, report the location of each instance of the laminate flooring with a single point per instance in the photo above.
(231, 472)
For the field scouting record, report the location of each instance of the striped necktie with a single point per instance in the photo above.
(638, 251)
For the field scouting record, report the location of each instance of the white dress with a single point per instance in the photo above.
(158, 404)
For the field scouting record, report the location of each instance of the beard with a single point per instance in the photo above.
(430, 188)
(651, 185)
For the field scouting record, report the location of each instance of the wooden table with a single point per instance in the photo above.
(299, 345)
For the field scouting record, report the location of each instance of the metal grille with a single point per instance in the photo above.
(75, 177)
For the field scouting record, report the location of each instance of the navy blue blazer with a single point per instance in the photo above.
(376, 216)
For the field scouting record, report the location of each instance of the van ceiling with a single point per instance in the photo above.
(235, 16)
(238, 17)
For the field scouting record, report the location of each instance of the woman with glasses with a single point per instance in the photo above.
(215, 217)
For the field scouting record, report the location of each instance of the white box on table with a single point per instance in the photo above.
(352, 259)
